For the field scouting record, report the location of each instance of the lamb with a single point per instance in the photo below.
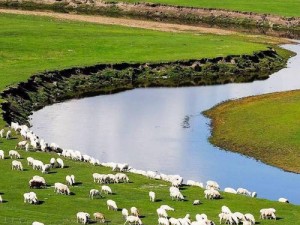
(30, 198)
(14, 154)
(2, 154)
(83, 217)
(283, 200)
(133, 220)
(230, 190)
(196, 202)
(268, 213)
(111, 205)
(37, 223)
(163, 221)
(249, 217)
(134, 211)
(16, 165)
(152, 196)
(99, 217)
(61, 189)
(162, 213)
(106, 189)
(212, 185)
(93, 193)
(8, 135)
(60, 162)
(125, 213)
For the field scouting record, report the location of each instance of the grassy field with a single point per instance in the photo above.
(59, 209)
(288, 8)
(265, 127)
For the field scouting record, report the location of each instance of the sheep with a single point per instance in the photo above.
(162, 213)
(27, 146)
(121, 177)
(93, 193)
(21, 144)
(176, 195)
(35, 184)
(30, 161)
(243, 191)
(186, 220)
(225, 209)
(134, 211)
(83, 217)
(46, 168)
(37, 223)
(52, 162)
(283, 200)
(194, 183)
(174, 221)
(212, 194)
(8, 135)
(125, 213)
(167, 208)
(99, 217)
(1, 200)
(111, 205)
(196, 202)
(106, 189)
(163, 221)
(268, 213)
(40, 179)
(60, 162)
(2, 154)
(133, 220)
(152, 196)
(230, 190)
(30, 198)
(212, 184)
(2, 133)
(16, 165)
(249, 217)
(14, 154)
(69, 180)
(37, 164)
(239, 216)
(61, 189)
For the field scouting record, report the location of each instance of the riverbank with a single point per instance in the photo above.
(165, 13)
(265, 127)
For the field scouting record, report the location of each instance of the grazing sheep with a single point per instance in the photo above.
(239, 216)
(61, 189)
(225, 209)
(111, 205)
(30, 198)
(69, 180)
(93, 193)
(167, 208)
(243, 191)
(16, 165)
(21, 145)
(152, 196)
(8, 135)
(249, 217)
(27, 146)
(35, 184)
(176, 195)
(14, 154)
(52, 162)
(37, 164)
(30, 161)
(1, 200)
(133, 220)
(283, 200)
(268, 213)
(134, 211)
(83, 217)
(212, 185)
(121, 177)
(106, 189)
(37, 223)
(46, 168)
(125, 213)
(212, 194)
(2, 154)
(163, 221)
(230, 190)
(196, 202)
(60, 162)
(2, 133)
(162, 213)
(174, 221)
(99, 217)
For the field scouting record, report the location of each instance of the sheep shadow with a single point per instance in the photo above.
(158, 200)
(119, 210)
(279, 218)
(77, 184)
(72, 193)
(40, 202)
(51, 172)
(142, 216)
(4, 201)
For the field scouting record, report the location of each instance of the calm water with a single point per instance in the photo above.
(162, 129)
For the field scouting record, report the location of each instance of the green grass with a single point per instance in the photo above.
(265, 127)
(59, 209)
(289, 8)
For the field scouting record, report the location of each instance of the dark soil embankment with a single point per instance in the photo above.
(55, 86)
(288, 26)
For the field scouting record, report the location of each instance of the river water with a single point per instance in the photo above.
(163, 129)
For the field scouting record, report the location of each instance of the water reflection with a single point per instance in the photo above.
(163, 129)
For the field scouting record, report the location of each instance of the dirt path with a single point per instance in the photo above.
(124, 22)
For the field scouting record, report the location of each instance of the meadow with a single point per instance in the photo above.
(288, 8)
(265, 127)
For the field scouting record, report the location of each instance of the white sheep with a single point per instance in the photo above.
(106, 189)
(162, 213)
(212, 194)
(8, 135)
(163, 221)
(243, 191)
(125, 213)
(225, 209)
(14, 154)
(1, 200)
(30, 161)
(61, 189)
(69, 180)
(27, 146)
(152, 196)
(249, 217)
(212, 184)
(268, 213)
(133, 220)
(60, 162)
(230, 190)
(94, 192)
(52, 162)
(134, 211)
(284, 200)
(37, 223)
(196, 202)
(111, 205)
(176, 195)
(37, 164)
(2, 133)
(16, 165)
(83, 217)
(30, 198)
(174, 221)
(2, 154)
(167, 208)
(21, 144)
(99, 217)
(46, 168)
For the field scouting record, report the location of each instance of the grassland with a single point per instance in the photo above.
(265, 127)
(59, 209)
(289, 8)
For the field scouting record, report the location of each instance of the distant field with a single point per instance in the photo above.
(276, 7)
(265, 127)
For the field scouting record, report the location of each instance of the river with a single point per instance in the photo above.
(163, 129)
